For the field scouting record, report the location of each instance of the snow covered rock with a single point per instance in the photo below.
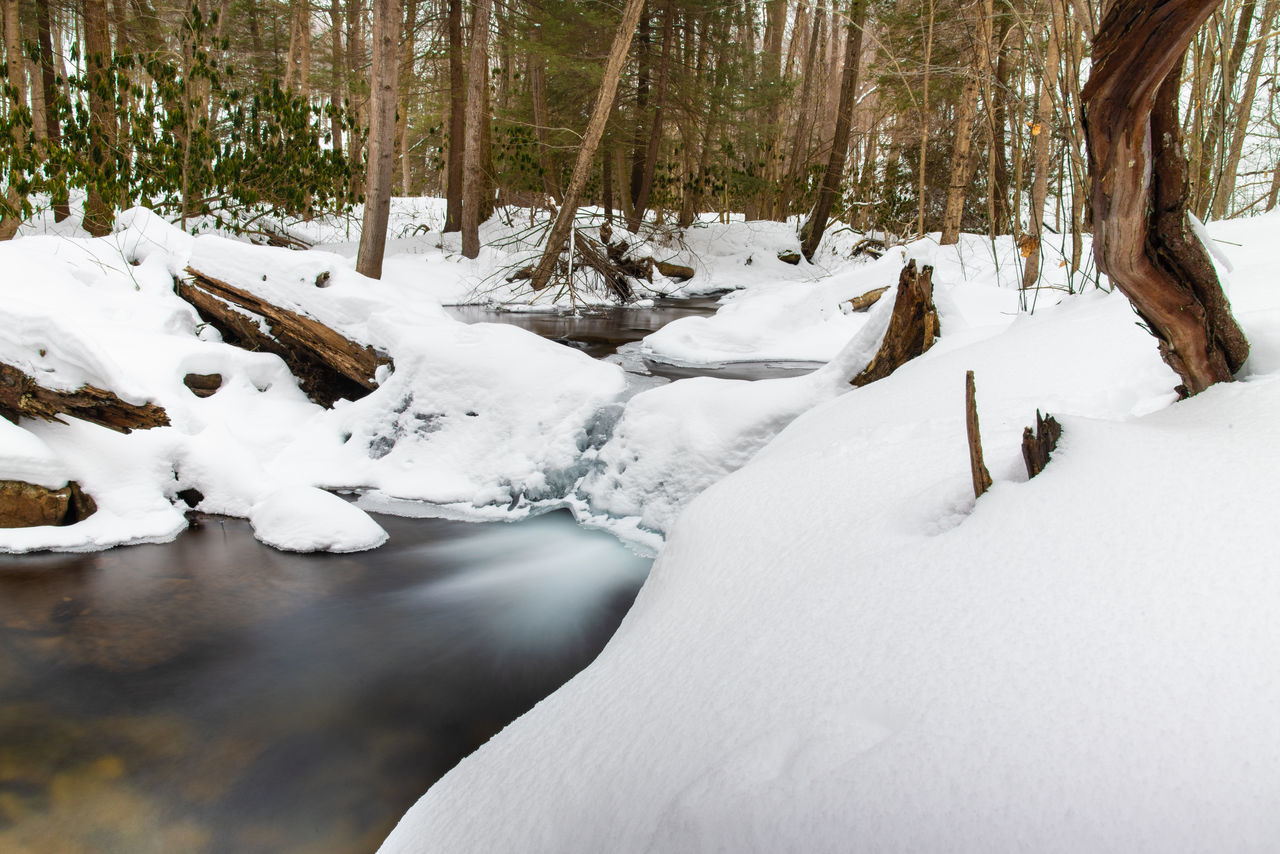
(306, 519)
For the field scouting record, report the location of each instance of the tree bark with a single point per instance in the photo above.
(337, 69)
(15, 74)
(53, 127)
(655, 128)
(457, 122)
(1040, 181)
(1211, 172)
(380, 167)
(541, 120)
(1244, 110)
(473, 183)
(99, 211)
(642, 104)
(834, 175)
(590, 140)
(1135, 161)
(961, 162)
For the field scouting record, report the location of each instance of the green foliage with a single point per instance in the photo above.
(186, 141)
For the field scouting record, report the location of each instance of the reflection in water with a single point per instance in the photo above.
(215, 695)
(597, 331)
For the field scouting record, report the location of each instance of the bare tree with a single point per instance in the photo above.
(473, 183)
(380, 168)
(590, 141)
(99, 212)
(834, 176)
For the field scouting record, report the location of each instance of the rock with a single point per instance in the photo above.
(203, 385)
(25, 505)
(789, 256)
(678, 272)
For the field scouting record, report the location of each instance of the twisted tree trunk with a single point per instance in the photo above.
(1142, 237)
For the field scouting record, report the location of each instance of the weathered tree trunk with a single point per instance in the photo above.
(406, 77)
(642, 105)
(99, 212)
(1040, 182)
(53, 127)
(799, 159)
(961, 162)
(834, 175)
(1226, 187)
(380, 168)
(924, 119)
(15, 74)
(328, 365)
(1142, 238)
(1210, 173)
(590, 140)
(541, 120)
(22, 397)
(457, 122)
(655, 128)
(337, 69)
(473, 183)
(355, 72)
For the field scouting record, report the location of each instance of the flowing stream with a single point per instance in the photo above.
(215, 695)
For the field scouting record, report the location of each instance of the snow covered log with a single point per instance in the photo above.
(912, 327)
(328, 365)
(22, 397)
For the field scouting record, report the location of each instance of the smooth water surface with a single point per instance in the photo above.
(596, 331)
(215, 695)
(603, 332)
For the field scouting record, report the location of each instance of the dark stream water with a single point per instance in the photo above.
(215, 695)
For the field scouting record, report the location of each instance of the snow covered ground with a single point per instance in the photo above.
(838, 649)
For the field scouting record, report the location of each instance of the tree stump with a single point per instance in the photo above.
(981, 477)
(1038, 444)
(328, 366)
(912, 328)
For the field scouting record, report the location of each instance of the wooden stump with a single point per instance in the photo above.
(328, 366)
(981, 477)
(912, 328)
(1038, 445)
(22, 397)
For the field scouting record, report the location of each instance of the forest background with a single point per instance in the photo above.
(958, 115)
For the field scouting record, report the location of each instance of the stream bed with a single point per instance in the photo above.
(214, 695)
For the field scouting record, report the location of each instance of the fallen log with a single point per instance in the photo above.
(22, 397)
(328, 366)
(870, 298)
(912, 328)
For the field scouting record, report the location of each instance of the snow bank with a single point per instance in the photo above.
(489, 419)
(838, 649)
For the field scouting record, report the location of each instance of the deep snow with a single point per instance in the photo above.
(838, 649)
